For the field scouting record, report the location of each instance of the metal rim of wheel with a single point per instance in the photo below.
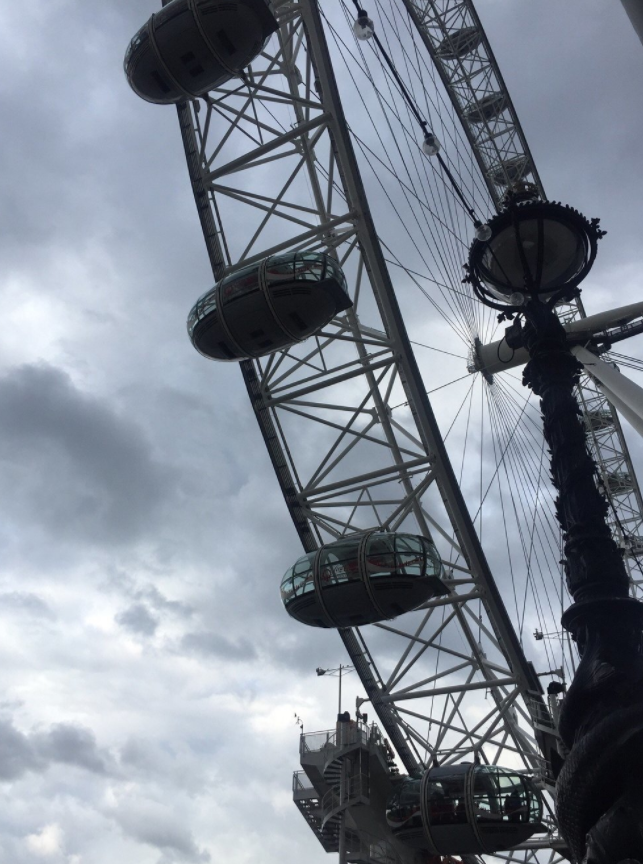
(346, 417)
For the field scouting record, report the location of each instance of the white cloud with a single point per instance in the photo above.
(47, 842)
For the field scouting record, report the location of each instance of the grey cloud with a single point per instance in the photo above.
(142, 755)
(72, 745)
(77, 469)
(62, 743)
(179, 765)
(138, 619)
(156, 827)
(29, 604)
(210, 643)
(158, 600)
(123, 584)
(17, 753)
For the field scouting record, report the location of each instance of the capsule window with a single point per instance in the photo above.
(535, 803)
(339, 563)
(446, 802)
(433, 560)
(280, 268)
(334, 270)
(409, 555)
(303, 575)
(142, 36)
(380, 555)
(302, 266)
(486, 798)
(287, 588)
(403, 809)
(206, 304)
(502, 796)
(311, 269)
(239, 284)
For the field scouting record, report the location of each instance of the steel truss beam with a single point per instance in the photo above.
(471, 81)
(273, 169)
(498, 142)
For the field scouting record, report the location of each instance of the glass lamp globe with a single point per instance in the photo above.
(537, 248)
(483, 231)
(431, 145)
(363, 28)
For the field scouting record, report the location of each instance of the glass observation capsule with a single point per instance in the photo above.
(487, 108)
(362, 579)
(510, 171)
(191, 46)
(459, 43)
(268, 305)
(465, 809)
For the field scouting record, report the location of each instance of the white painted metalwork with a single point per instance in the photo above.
(474, 82)
(621, 392)
(499, 357)
(273, 169)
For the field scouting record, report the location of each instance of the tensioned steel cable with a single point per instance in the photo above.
(421, 64)
(540, 525)
(467, 309)
(411, 104)
(393, 110)
(532, 542)
(517, 509)
(405, 189)
(423, 124)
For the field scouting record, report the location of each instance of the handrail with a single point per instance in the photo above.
(344, 735)
(299, 786)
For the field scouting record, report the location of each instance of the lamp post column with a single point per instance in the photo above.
(537, 253)
(599, 789)
(594, 566)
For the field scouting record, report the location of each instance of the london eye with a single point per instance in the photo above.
(342, 162)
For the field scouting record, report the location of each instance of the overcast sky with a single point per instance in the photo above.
(148, 674)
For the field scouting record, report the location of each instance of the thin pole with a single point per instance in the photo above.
(339, 706)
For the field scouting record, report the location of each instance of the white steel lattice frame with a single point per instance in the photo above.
(273, 170)
(496, 143)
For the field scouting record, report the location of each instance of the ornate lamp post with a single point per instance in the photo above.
(536, 255)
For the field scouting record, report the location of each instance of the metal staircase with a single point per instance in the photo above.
(345, 770)
(309, 805)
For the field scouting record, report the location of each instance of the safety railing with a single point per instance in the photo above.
(540, 714)
(343, 736)
(301, 783)
(312, 742)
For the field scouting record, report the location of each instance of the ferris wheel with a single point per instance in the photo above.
(340, 169)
